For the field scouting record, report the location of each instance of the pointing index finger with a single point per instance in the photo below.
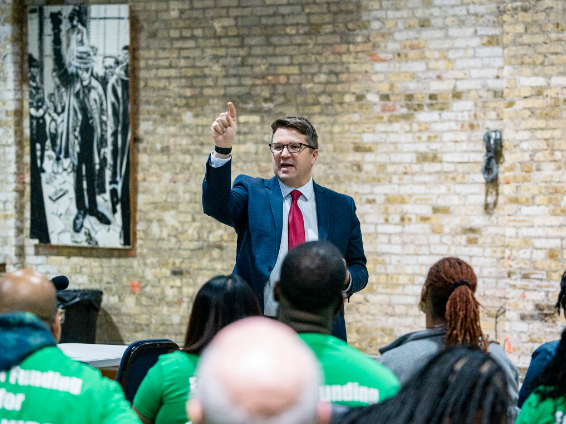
(232, 110)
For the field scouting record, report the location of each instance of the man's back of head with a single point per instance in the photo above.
(257, 371)
(312, 278)
(28, 291)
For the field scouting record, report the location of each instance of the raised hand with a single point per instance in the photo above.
(224, 128)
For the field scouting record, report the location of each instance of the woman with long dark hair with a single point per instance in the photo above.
(164, 391)
(452, 319)
(547, 403)
(458, 385)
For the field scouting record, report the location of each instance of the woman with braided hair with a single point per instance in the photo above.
(463, 386)
(452, 319)
(547, 403)
(544, 353)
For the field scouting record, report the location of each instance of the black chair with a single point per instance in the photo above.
(138, 358)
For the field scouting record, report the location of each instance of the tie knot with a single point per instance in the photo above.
(295, 194)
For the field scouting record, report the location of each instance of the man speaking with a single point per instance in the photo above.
(272, 216)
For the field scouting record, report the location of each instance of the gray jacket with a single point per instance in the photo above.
(410, 352)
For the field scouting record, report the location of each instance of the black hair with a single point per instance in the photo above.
(455, 386)
(312, 276)
(32, 61)
(561, 301)
(300, 124)
(219, 302)
(551, 382)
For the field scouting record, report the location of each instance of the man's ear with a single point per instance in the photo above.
(324, 413)
(276, 291)
(314, 156)
(423, 293)
(194, 411)
(56, 328)
(339, 302)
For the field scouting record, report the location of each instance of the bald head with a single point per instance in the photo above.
(257, 371)
(28, 291)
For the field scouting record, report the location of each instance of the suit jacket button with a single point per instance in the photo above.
(269, 268)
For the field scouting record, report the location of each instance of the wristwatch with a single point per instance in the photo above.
(223, 150)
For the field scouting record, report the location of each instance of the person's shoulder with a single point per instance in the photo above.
(333, 345)
(499, 355)
(255, 182)
(548, 348)
(535, 410)
(331, 192)
(96, 85)
(336, 199)
(353, 362)
(178, 359)
(51, 358)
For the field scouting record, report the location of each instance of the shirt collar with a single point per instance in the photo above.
(307, 190)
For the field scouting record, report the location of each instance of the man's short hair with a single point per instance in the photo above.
(114, 59)
(299, 123)
(312, 276)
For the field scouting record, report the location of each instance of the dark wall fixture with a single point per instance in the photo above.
(490, 169)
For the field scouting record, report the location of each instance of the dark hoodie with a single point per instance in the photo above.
(21, 334)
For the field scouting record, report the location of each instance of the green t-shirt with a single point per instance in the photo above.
(164, 391)
(350, 377)
(49, 387)
(551, 411)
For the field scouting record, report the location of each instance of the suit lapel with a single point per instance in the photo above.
(276, 202)
(322, 211)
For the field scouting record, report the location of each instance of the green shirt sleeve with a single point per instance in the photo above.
(148, 399)
(535, 412)
(116, 409)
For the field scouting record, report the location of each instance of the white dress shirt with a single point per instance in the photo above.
(307, 205)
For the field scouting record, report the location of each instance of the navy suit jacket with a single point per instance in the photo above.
(254, 208)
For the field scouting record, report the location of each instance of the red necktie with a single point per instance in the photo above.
(296, 224)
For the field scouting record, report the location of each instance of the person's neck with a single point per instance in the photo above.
(434, 322)
(305, 322)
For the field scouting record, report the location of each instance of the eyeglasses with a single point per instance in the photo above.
(291, 147)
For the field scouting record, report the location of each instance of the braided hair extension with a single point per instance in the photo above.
(551, 382)
(451, 283)
(463, 386)
(561, 302)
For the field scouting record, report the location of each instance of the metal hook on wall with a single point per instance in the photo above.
(493, 155)
(490, 168)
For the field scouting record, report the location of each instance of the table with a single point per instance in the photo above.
(96, 355)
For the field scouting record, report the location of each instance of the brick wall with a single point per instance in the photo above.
(401, 93)
(11, 138)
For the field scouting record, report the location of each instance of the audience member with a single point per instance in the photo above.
(257, 371)
(544, 353)
(547, 403)
(38, 383)
(163, 393)
(452, 318)
(309, 294)
(458, 386)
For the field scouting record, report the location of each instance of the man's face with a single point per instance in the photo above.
(292, 169)
(84, 74)
(34, 72)
(124, 56)
(109, 67)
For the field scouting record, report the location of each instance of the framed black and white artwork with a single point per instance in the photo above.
(79, 107)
